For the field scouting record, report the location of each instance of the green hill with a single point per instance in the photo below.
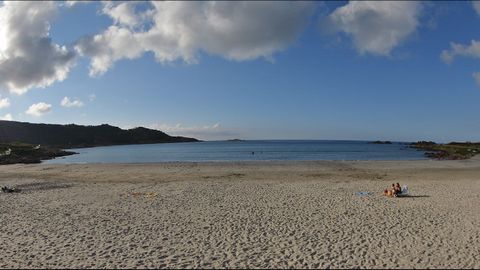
(76, 136)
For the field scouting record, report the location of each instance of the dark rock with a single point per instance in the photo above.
(6, 189)
(381, 142)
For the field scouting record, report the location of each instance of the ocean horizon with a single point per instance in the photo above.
(243, 150)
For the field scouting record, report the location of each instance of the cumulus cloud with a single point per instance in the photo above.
(172, 31)
(39, 109)
(28, 57)
(105, 49)
(4, 103)
(66, 102)
(7, 117)
(180, 30)
(472, 51)
(376, 27)
(476, 6)
(123, 13)
(458, 50)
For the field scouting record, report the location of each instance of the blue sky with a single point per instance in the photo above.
(289, 70)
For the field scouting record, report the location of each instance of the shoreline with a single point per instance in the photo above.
(273, 161)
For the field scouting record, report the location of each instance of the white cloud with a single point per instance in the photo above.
(178, 128)
(472, 51)
(476, 76)
(376, 27)
(28, 57)
(476, 6)
(105, 49)
(457, 50)
(172, 31)
(180, 30)
(7, 117)
(4, 103)
(71, 3)
(39, 109)
(214, 131)
(66, 102)
(122, 13)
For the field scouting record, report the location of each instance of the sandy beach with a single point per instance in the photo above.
(241, 215)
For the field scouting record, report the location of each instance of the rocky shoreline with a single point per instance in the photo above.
(450, 151)
(27, 153)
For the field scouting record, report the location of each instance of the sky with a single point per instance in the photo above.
(402, 71)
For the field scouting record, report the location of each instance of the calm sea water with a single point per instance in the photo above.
(242, 151)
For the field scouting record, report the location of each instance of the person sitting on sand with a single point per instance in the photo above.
(394, 191)
(390, 192)
(398, 189)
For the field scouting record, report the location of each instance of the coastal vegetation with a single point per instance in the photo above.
(12, 153)
(77, 136)
(450, 151)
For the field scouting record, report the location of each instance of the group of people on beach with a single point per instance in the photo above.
(394, 191)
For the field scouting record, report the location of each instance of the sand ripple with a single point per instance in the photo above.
(240, 221)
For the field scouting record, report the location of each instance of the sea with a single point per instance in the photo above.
(249, 150)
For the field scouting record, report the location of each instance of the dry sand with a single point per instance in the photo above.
(241, 215)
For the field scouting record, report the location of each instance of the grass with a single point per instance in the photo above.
(451, 151)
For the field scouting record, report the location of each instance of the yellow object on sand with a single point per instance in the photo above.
(150, 195)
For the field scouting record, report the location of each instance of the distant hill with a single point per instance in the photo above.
(235, 140)
(381, 142)
(76, 136)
